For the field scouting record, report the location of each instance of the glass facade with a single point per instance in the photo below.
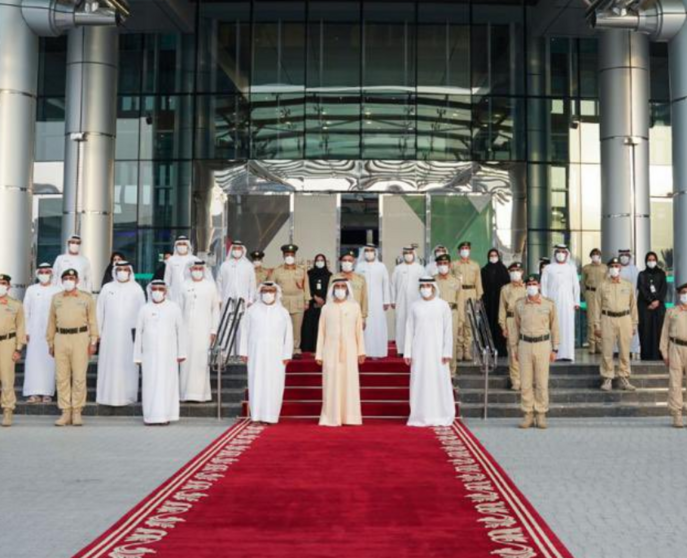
(323, 80)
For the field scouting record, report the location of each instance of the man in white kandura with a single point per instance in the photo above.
(236, 277)
(559, 282)
(117, 309)
(175, 268)
(404, 291)
(378, 301)
(630, 272)
(340, 350)
(267, 347)
(160, 348)
(428, 352)
(39, 369)
(72, 259)
(200, 309)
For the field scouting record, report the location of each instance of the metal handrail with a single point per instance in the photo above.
(485, 350)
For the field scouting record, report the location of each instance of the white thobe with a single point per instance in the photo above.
(117, 309)
(39, 375)
(429, 339)
(236, 280)
(559, 283)
(630, 273)
(160, 341)
(431, 269)
(267, 341)
(378, 294)
(175, 275)
(405, 289)
(63, 262)
(200, 309)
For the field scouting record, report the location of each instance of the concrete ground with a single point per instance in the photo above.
(609, 488)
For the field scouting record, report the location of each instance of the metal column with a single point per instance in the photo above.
(90, 132)
(18, 83)
(624, 108)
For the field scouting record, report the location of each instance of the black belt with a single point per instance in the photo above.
(677, 341)
(72, 331)
(469, 287)
(616, 314)
(510, 315)
(591, 288)
(453, 305)
(535, 339)
(8, 336)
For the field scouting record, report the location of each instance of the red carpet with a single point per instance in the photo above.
(294, 490)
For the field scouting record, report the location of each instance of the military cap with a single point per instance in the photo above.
(532, 277)
(515, 266)
(444, 258)
(681, 287)
(257, 255)
(614, 261)
(4, 277)
(289, 248)
(465, 244)
(345, 253)
(70, 273)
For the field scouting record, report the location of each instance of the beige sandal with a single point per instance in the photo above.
(33, 400)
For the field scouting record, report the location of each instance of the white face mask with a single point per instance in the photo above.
(346, 266)
(340, 294)
(596, 259)
(442, 269)
(122, 276)
(197, 274)
(614, 272)
(561, 257)
(370, 256)
(651, 264)
(237, 253)
(515, 276)
(74, 248)
(426, 292)
(257, 263)
(683, 298)
(44, 278)
(493, 259)
(532, 290)
(268, 298)
(4, 289)
(624, 260)
(69, 285)
(182, 249)
(465, 254)
(408, 258)
(158, 296)
(289, 260)
(319, 264)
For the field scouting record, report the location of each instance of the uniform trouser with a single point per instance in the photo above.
(534, 376)
(513, 365)
(612, 330)
(456, 321)
(677, 356)
(590, 299)
(297, 323)
(8, 400)
(71, 366)
(464, 344)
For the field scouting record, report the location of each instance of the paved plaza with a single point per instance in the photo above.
(608, 488)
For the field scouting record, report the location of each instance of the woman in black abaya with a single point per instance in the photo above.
(318, 276)
(653, 288)
(494, 277)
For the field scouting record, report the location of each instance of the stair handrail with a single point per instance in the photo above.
(484, 349)
(224, 345)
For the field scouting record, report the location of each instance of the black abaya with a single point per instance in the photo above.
(494, 277)
(652, 286)
(319, 283)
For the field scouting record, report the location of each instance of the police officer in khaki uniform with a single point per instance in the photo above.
(12, 341)
(451, 290)
(295, 288)
(593, 274)
(72, 338)
(536, 326)
(615, 320)
(674, 351)
(471, 276)
(357, 281)
(262, 273)
(510, 294)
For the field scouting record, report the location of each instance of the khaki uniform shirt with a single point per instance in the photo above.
(536, 319)
(295, 287)
(12, 321)
(615, 297)
(593, 275)
(510, 294)
(472, 276)
(359, 285)
(69, 311)
(262, 274)
(674, 325)
(451, 290)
